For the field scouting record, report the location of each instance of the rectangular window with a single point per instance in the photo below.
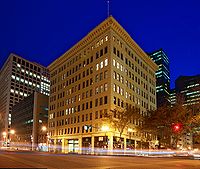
(114, 100)
(105, 50)
(96, 102)
(105, 99)
(96, 115)
(83, 118)
(101, 101)
(106, 62)
(105, 87)
(105, 74)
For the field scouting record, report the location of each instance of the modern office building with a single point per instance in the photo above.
(189, 89)
(172, 97)
(106, 70)
(18, 79)
(162, 77)
(29, 117)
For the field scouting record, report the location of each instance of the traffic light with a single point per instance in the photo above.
(177, 127)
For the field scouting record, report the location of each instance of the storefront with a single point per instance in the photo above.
(73, 146)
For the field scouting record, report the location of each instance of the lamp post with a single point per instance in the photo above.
(44, 129)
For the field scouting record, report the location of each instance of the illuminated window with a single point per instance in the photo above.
(105, 86)
(106, 38)
(114, 62)
(114, 87)
(101, 64)
(117, 65)
(106, 62)
(97, 66)
(118, 89)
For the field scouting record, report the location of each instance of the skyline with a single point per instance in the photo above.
(39, 31)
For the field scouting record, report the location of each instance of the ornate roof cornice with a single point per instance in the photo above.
(109, 23)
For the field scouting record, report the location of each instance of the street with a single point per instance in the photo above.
(25, 159)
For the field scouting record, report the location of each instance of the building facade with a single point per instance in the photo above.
(104, 71)
(162, 77)
(29, 116)
(187, 90)
(18, 79)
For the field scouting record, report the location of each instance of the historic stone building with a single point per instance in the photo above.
(106, 70)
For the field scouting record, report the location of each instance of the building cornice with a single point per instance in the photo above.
(109, 23)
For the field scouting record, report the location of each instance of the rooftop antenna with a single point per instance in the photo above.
(108, 7)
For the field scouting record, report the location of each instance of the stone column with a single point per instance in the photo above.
(110, 143)
(92, 144)
(80, 145)
(63, 146)
(135, 142)
(55, 145)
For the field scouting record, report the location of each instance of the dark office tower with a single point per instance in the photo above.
(18, 79)
(172, 97)
(189, 88)
(162, 76)
(28, 118)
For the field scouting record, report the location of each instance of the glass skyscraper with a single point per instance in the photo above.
(162, 76)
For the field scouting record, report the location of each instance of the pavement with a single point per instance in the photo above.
(28, 159)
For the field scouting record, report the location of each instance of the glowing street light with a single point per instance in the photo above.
(12, 131)
(44, 128)
(105, 128)
(4, 134)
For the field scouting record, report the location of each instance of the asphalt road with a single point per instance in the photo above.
(22, 159)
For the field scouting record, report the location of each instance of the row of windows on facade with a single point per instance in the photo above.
(130, 96)
(76, 130)
(17, 68)
(98, 77)
(121, 103)
(27, 82)
(127, 61)
(83, 64)
(87, 94)
(78, 77)
(120, 78)
(26, 64)
(131, 75)
(85, 52)
(20, 85)
(75, 119)
(98, 102)
(88, 117)
(129, 53)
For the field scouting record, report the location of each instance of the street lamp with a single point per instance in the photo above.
(12, 131)
(105, 128)
(44, 128)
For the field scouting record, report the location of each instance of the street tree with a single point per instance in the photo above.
(171, 122)
(120, 119)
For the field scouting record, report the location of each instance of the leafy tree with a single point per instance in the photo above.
(120, 119)
(171, 122)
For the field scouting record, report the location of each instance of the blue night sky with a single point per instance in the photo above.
(42, 30)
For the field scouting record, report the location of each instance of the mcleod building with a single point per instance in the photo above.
(106, 70)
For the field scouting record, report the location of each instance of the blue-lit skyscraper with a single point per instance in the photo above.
(162, 76)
